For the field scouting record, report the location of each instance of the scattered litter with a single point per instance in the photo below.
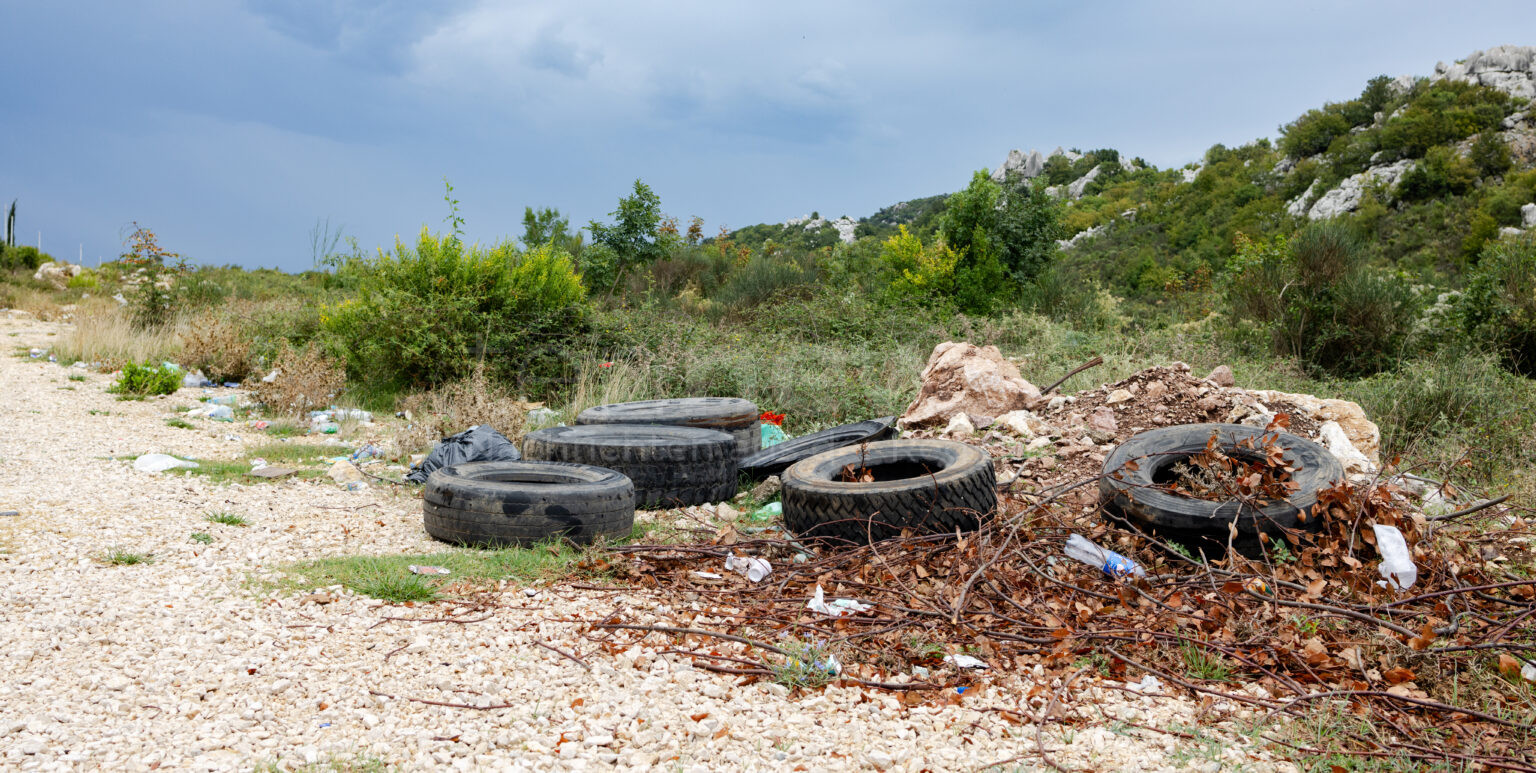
(258, 463)
(477, 444)
(530, 592)
(230, 400)
(231, 385)
(1396, 562)
(194, 380)
(770, 510)
(772, 434)
(160, 463)
(1527, 671)
(368, 451)
(120, 299)
(355, 485)
(13, 513)
(543, 416)
(1148, 684)
(424, 569)
(271, 377)
(966, 662)
(1113, 564)
(220, 413)
(750, 567)
(836, 607)
(697, 575)
(269, 471)
(921, 672)
(36, 353)
(257, 424)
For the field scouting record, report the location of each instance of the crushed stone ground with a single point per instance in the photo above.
(187, 664)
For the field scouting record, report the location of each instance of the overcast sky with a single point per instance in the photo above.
(230, 128)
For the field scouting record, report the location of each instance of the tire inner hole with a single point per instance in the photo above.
(901, 470)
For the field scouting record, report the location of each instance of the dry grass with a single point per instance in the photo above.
(215, 344)
(43, 304)
(307, 379)
(104, 333)
(458, 406)
(597, 383)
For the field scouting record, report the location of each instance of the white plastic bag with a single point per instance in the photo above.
(160, 463)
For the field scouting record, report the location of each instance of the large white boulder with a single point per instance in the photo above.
(1510, 69)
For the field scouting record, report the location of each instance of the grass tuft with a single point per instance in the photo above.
(389, 579)
(124, 557)
(179, 423)
(202, 537)
(226, 518)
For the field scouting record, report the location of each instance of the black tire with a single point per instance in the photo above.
(1138, 494)
(774, 460)
(669, 466)
(731, 415)
(496, 504)
(928, 486)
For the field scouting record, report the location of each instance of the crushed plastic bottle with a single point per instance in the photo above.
(1397, 565)
(1112, 563)
(221, 413)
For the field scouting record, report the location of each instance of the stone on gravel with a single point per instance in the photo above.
(1361, 431)
(976, 380)
(960, 426)
(345, 472)
(1118, 396)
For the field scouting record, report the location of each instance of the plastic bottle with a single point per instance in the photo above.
(1112, 563)
(1396, 562)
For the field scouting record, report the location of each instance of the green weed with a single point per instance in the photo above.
(807, 665)
(179, 423)
(388, 578)
(123, 557)
(202, 537)
(226, 518)
(76, 377)
(1203, 664)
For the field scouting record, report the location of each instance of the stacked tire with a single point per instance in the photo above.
(669, 466)
(732, 415)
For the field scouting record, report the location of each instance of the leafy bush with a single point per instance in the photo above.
(1318, 300)
(1442, 173)
(24, 257)
(1499, 307)
(1442, 112)
(764, 277)
(143, 380)
(424, 316)
(1313, 132)
(922, 274)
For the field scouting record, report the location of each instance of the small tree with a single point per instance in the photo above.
(154, 303)
(632, 240)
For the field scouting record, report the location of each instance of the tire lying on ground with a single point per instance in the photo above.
(928, 486)
(731, 415)
(669, 466)
(1140, 495)
(497, 504)
(773, 460)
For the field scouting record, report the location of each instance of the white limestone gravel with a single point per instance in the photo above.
(185, 663)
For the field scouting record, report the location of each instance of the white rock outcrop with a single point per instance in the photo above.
(1346, 197)
(1076, 187)
(1528, 215)
(1510, 69)
(844, 225)
(1028, 165)
(57, 273)
(1299, 205)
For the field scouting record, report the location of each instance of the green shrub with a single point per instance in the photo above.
(1313, 132)
(1442, 173)
(144, 380)
(763, 278)
(1317, 299)
(424, 316)
(1443, 112)
(1499, 308)
(22, 257)
(921, 274)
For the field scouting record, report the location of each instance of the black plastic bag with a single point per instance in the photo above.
(476, 444)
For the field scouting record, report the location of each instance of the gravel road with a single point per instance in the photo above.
(186, 663)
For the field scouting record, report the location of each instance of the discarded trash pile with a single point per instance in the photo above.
(1280, 635)
(1354, 601)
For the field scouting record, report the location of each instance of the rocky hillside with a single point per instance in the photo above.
(1428, 168)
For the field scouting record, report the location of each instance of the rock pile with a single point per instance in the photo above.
(1510, 69)
(974, 381)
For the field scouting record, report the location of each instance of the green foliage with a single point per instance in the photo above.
(548, 226)
(423, 316)
(1317, 299)
(125, 557)
(634, 237)
(143, 380)
(804, 665)
(763, 278)
(1442, 173)
(226, 518)
(1442, 112)
(1490, 155)
(923, 275)
(1313, 132)
(202, 537)
(22, 257)
(1499, 308)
